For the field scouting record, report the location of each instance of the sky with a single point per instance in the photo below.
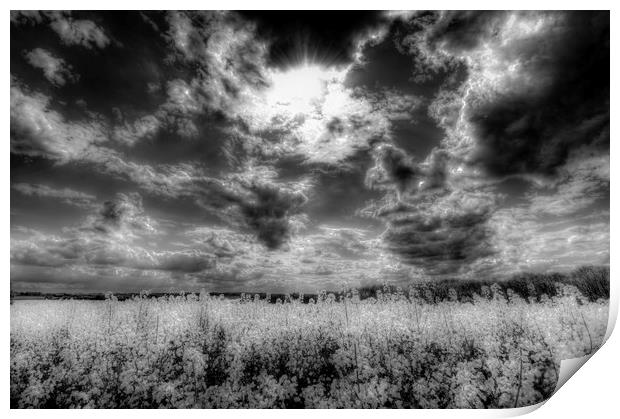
(275, 151)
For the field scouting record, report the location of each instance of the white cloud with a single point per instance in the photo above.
(328, 258)
(55, 69)
(79, 32)
(113, 248)
(581, 182)
(71, 31)
(66, 195)
(142, 128)
(114, 236)
(528, 242)
(39, 130)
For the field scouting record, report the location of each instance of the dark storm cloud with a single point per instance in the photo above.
(252, 200)
(533, 103)
(296, 36)
(442, 238)
(427, 35)
(430, 223)
(538, 84)
(395, 169)
(255, 200)
(267, 214)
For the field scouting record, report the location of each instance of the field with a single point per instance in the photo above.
(399, 349)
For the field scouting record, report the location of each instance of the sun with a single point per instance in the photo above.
(298, 90)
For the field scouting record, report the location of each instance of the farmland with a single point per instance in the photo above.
(398, 349)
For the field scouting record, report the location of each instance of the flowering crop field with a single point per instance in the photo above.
(396, 350)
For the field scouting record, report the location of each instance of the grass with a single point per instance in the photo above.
(422, 348)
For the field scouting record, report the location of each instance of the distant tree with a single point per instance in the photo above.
(592, 281)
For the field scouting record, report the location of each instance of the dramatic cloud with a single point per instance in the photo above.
(55, 69)
(430, 222)
(535, 92)
(305, 150)
(395, 170)
(255, 200)
(305, 111)
(537, 86)
(110, 244)
(252, 199)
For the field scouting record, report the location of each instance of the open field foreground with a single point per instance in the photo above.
(395, 350)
